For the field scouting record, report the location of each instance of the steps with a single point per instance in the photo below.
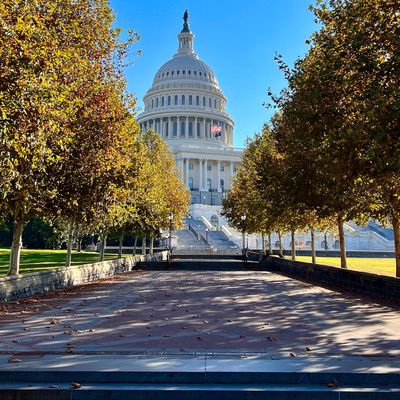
(116, 376)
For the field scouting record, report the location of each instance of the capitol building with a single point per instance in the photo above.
(186, 106)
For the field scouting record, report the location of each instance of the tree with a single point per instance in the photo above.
(57, 59)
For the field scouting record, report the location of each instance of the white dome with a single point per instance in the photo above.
(186, 67)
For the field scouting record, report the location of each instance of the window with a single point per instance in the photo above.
(176, 100)
(152, 103)
(175, 129)
(183, 72)
(190, 100)
(222, 184)
(189, 72)
(190, 183)
(208, 184)
(177, 72)
(209, 102)
(208, 167)
(167, 73)
(215, 103)
(198, 129)
(197, 100)
(169, 100)
(183, 99)
(195, 72)
(222, 168)
(172, 72)
(182, 129)
(191, 128)
(166, 129)
(191, 167)
(162, 101)
(157, 102)
(200, 73)
(235, 169)
(204, 101)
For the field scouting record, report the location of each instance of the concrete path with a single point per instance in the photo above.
(187, 312)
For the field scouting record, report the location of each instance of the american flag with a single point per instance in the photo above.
(216, 129)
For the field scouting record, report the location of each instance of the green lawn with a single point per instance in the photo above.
(382, 266)
(36, 260)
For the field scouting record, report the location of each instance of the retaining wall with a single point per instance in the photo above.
(20, 286)
(378, 286)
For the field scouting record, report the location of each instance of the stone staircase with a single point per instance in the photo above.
(123, 377)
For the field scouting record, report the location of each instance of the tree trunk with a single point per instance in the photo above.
(293, 245)
(79, 245)
(144, 245)
(121, 242)
(280, 244)
(395, 222)
(270, 251)
(16, 244)
(152, 245)
(343, 261)
(135, 246)
(69, 245)
(263, 243)
(313, 254)
(103, 245)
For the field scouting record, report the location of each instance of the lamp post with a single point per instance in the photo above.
(189, 219)
(243, 218)
(204, 198)
(170, 217)
(207, 235)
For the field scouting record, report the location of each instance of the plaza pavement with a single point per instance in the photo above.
(190, 312)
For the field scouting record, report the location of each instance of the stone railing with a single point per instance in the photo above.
(20, 286)
(372, 285)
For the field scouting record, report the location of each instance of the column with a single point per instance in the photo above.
(231, 173)
(178, 127)
(168, 131)
(205, 174)
(187, 172)
(200, 175)
(204, 129)
(195, 128)
(218, 176)
(186, 127)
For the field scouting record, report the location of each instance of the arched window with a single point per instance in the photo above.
(277, 244)
(175, 129)
(197, 100)
(176, 100)
(190, 128)
(215, 103)
(157, 102)
(190, 99)
(182, 128)
(152, 103)
(190, 183)
(183, 72)
(324, 245)
(222, 184)
(183, 99)
(336, 246)
(177, 72)
(162, 101)
(204, 101)
(169, 100)
(209, 102)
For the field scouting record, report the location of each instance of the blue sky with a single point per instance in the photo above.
(237, 38)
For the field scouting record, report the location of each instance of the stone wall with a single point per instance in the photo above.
(20, 286)
(378, 286)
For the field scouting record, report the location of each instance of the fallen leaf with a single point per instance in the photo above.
(75, 385)
(13, 360)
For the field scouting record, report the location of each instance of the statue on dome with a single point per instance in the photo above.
(186, 16)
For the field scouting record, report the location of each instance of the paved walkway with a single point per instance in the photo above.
(182, 312)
